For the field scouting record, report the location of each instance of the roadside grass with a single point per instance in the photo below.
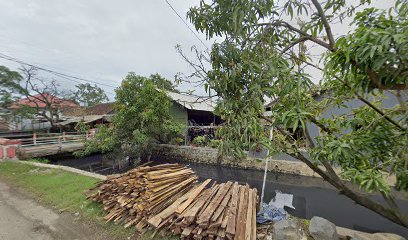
(64, 192)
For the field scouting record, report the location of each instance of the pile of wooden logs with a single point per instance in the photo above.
(132, 197)
(223, 211)
(167, 197)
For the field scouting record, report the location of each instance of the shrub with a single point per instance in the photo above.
(214, 143)
(177, 141)
(200, 141)
(39, 160)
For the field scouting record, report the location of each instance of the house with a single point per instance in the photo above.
(192, 110)
(388, 101)
(94, 115)
(42, 104)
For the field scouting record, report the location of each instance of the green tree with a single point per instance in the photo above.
(264, 55)
(89, 95)
(9, 85)
(10, 90)
(163, 83)
(143, 113)
(142, 118)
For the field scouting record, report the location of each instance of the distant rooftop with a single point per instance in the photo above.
(192, 102)
(40, 101)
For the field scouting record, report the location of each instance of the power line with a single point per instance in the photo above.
(182, 19)
(62, 75)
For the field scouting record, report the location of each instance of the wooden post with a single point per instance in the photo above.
(59, 142)
(63, 136)
(34, 138)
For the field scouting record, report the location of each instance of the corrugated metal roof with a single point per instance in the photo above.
(85, 119)
(192, 102)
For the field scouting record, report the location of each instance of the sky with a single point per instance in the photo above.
(98, 40)
(102, 40)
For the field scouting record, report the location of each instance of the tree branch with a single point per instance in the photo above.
(331, 177)
(361, 98)
(294, 29)
(325, 24)
(297, 41)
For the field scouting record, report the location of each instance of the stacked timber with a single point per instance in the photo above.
(133, 197)
(222, 211)
(167, 197)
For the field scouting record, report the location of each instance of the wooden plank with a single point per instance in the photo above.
(232, 214)
(209, 211)
(222, 205)
(254, 201)
(242, 209)
(193, 196)
(156, 220)
(191, 214)
(248, 225)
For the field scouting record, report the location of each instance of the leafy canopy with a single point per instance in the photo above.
(163, 83)
(9, 85)
(142, 118)
(89, 95)
(265, 56)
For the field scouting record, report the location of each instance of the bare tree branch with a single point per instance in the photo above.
(294, 29)
(325, 24)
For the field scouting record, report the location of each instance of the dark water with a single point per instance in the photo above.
(312, 196)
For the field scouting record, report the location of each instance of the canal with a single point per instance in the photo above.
(311, 196)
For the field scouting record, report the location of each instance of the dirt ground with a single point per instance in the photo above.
(22, 217)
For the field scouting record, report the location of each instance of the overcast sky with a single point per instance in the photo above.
(99, 40)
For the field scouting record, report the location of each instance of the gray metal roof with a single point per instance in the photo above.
(192, 102)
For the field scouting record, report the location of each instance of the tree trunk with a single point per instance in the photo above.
(392, 214)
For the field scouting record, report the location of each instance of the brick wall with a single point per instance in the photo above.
(8, 148)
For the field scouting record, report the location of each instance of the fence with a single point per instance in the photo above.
(38, 139)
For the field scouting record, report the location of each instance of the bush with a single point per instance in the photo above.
(102, 142)
(215, 143)
(39, 160)
(177, 141)
(200, 141)
(82, 127)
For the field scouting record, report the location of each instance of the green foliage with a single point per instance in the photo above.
(104, 141)
(62, 190)
(82, 127)
(143, 113)
(163, 83)
(89, 95)
(378, 45)
(9, 85)
(200, 141)
(177, 141)
(142, 118)
(39, 160)
(215, 143)
(264, 58)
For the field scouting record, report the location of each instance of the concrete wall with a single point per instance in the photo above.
(280, 163)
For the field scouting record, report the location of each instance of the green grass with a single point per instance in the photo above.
(61, 190)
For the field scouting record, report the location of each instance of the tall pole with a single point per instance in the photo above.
(266, 169)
